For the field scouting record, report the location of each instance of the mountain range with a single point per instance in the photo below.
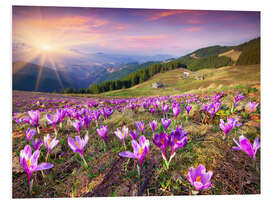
(100, 67)
(76, 73)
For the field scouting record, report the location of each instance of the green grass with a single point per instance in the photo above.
(221, 78)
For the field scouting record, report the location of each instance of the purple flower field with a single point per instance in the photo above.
(188, 144)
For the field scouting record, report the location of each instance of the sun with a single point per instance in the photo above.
(46, 47)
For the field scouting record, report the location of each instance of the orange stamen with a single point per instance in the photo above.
(198, 179)
(141, 151)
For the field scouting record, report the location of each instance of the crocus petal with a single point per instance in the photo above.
(236, 148)
(191, 175)
(127, 154)
(78, 140)
(142, 140)
(43, 166)
(205, 178)
(34, 158)
(198, 185)
(53, 143)
(72, 144)
(206, 186)
(246, 146)
(28, 151)
(256, 145)
(85, 141)
(135, 146)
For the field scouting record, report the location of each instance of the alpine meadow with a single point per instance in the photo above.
(135, 102)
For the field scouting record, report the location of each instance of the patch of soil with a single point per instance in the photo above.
(109, 180)
(17, 134)
(66, 167)
(237, 174)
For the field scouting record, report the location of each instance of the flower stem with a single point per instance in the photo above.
(138, 171)
(124, 145)
(85, 163)
(104, 146)
(47, 155)
(38, 131)
(255, 165)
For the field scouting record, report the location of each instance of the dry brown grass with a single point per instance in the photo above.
(233, 54)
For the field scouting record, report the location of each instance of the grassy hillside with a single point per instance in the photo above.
(213, 50)
(233, 54)
(215, 79)
(209, 57)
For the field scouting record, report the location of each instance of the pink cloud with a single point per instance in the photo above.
(193, 29)
(166, 13)
(194, 21)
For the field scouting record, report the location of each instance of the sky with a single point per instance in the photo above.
(67, 32)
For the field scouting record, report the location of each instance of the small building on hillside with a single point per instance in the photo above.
(199, 77)
(186, 74)
(157, 85)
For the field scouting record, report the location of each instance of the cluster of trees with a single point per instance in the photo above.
(251, 52)
(213, 61)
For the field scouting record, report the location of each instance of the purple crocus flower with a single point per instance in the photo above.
(61, 114)
(30, 133)
(140, 150)
(213, 108)
(234, 122)
(18, 120)
(107, 112)
(50, 143)
(205, 108)
(176, 111)
(78, 145)
(37, 143)
(226, 127)
(238, 98)
(178, 139)
(86, 120)
(199, 178)
(77, 125)
(122, 134)
(188, 108)
(245, 145)
(165, 108)
(26, 119)
(34, 119)
(152, 110)
(102, 132)
(252, 106)
(166, 123)
(134, 134)
(96, 115)
(153, 125)
(162, 141)
(53, 120)
(30, 162)
(140, 125)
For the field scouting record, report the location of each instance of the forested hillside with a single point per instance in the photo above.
(250, 52)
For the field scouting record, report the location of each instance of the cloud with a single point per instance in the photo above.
(193, 29)
(194, 21)
(166, 13)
